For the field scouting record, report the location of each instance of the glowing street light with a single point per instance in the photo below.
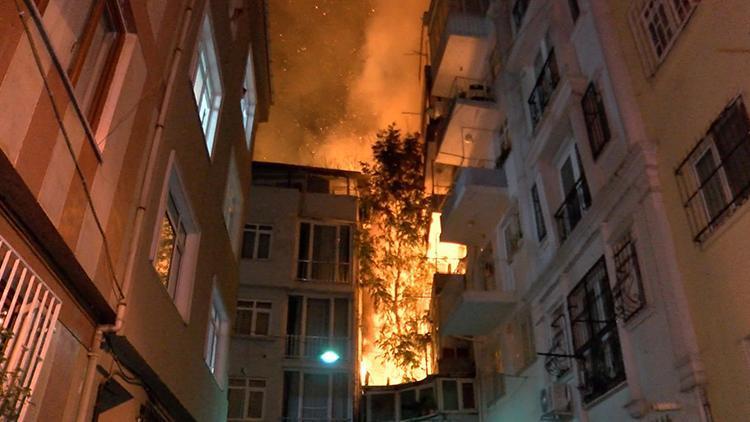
(329, 356)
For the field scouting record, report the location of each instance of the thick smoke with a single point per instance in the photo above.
(341, 70)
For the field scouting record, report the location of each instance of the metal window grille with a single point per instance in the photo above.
(597, 125)
(656, 25)
(628, 291)
(594, 332)
(547, 80)
(570, 213)
(555, 363)
(28, 315)
(714, 178)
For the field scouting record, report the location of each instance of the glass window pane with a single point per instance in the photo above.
(467, 392)
(291, 394)
(248, 244)
(340, 397)
(236, 403)
(712, 190)
(409, 405)
(382, 407)
(262, 320)
(315, 396)
(264, 245)
(255, 405)
(163, 260)
(243, 322)
(450, 395)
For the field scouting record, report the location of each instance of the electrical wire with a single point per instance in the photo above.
(117, 287)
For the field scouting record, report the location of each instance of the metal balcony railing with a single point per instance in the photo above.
(311, 347)
(577, 201)
(545, 86)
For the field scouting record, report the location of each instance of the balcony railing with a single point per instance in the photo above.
(545, 86)
(577, 201)
(311, 347)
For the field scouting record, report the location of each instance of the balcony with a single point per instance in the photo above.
(312, 347)
(474, 206)
(577, 201)
(460, 41)
(463, 310)
(545, 86)
(471, 121)
(435, 398)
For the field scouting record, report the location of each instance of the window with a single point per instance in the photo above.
(657, 23)
(246, 399)
(253, 318)
(316, 396)
(316, 325)
(547, 77)
(518, 12)
(216, 336)
(597, 125)
(541, 228)
(594, 330)
(458, 394)
(29, 310)
(513, 236)
(99, 36)
(176, 242)
(715, 177)
(207, 82)
(575, 9)
(248, 100)
(256, 242)
(324, 253)
(233, 204)
(576, 196)
(558, 366)
(628, 291)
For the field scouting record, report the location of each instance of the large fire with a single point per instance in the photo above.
(444, 258)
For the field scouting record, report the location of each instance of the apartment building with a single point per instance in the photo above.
(126, 144)
(702, 167)
(294, 352)
(575, 295)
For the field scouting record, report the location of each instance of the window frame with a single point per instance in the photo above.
(538, 212)
(594, 112)
(216, 348)
(628, 292)
(674, 23)
(302, 373)
(310, 262)
(247, 389)
(459, 394)
(233, 207)
(254, 310)
(257, 229)
(206, 55)
(249, 99)
(173, 186)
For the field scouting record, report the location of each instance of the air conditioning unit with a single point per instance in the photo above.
(556, 400)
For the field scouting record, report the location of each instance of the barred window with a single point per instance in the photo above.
(656, 25)
(558, 365)
(628, 292)
(714, 178)
(594, 332)
(597, 125)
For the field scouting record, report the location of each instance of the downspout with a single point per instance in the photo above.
(150, 162)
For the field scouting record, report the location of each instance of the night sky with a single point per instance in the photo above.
(340, 69)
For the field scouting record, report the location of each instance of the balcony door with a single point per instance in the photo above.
(575, 193)
(316, 325)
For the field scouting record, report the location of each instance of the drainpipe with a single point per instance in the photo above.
(150, 162)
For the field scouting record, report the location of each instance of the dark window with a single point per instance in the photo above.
(597, 125)
(575, 10)
(541, 228)
(594, 332)
(518, 12)
(324, 253)
(548, 77)
(628, 291)
(577, 197)
(450, 395)
(256, 241)
(467, 393)
(715, 177)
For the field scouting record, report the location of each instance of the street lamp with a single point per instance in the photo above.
(329, 356)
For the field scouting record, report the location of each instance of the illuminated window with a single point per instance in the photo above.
(246, 399)
(248, 100)
(256, 242)
(324, 253)
(657, 24)
(175, 243)
(253, 318)
(206, 80)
